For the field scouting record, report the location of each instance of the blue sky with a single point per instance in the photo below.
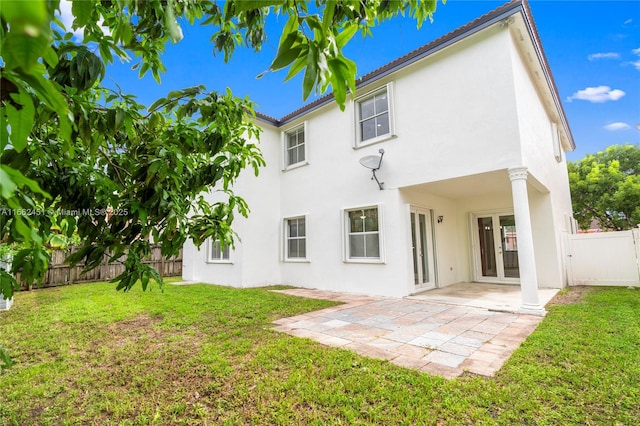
(593, 49)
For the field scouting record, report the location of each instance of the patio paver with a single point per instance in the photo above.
(435, 338)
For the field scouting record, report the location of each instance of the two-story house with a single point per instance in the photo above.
(475, 185)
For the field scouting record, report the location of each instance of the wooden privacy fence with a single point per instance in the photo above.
(60, 273)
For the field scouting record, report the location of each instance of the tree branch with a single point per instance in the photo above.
(115, 167)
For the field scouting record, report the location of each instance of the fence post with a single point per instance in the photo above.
(635, 233)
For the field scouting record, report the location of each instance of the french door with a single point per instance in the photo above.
(422, 247)
(497, 248)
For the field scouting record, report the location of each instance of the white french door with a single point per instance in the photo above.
(496, 248)
(422, 247)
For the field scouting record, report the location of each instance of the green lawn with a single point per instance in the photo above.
(200, 354)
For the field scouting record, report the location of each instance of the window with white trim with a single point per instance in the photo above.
(374, 116)
(557, 145)
(296, 238)
(363, 234)
(295, 146)
(217, 254)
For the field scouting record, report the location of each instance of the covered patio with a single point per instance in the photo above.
(494, 297)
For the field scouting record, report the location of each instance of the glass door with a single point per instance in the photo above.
(422, 247)
(497, 257)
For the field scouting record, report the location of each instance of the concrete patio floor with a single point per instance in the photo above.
(437, 338)
(496, 297)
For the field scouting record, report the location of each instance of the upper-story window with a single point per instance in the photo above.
(295, 153)
(374, 114)
(217, 254)
(557, 145)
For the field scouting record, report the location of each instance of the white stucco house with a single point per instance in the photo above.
(475, 180)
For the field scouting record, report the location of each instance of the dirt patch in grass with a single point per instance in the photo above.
(569, 296)
(134, 361)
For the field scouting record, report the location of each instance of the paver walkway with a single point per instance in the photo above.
(440, 339)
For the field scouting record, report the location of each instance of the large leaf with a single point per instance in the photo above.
(20, 116)
(7, 284)
(7, 185)
(47, 92)
(346, 34)
(17, 178)
(287, 52)
(22, 50)
(311, 73)
(81, 9)
(21, 13)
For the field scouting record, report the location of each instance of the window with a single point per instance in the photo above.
(557, 146)
(217, 254)
(294, 147)
(374, 116)
(296, 238)
(363, 234)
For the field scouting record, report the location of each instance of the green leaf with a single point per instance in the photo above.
(17, 178)
(22, 51)
(7, 284)
(175, 32)
(20, 116)
(4, 134)
(338, 81)
(20, 13)
(7, 185)
(346, 34)
(311, 73)
(4, 354)
(287, 52)
(327, 17)
(50, 57)
(82, 10)
(245, 5)
(22, 228)
(46, 92)
(157, 104)
(297, 66)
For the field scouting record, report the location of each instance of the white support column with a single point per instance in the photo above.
(526, 254)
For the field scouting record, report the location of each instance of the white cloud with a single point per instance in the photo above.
(607, 55)
(617, 126)
(635, 64)
(628, 21)
(67, 18)
(597, 94)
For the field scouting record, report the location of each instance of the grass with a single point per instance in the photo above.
(202, 354)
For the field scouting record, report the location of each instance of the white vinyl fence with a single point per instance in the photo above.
(604, 258)
(5, 264)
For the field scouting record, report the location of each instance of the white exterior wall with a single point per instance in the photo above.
(467, 110)
(254, 261)
(549, 195)
(455, 114)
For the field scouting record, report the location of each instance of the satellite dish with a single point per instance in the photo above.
(373, 162)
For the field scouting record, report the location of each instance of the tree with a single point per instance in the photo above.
(93, 162)
(605, 187)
